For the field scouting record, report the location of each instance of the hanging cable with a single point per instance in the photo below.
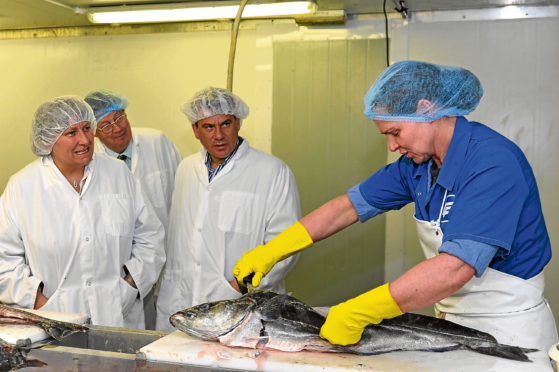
(233, 45)
(386, 33)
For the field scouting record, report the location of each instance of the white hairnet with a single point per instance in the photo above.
(214, 101)
(52, 118)
(103, 102)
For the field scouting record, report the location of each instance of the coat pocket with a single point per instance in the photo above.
(128, 296)
(118, 214)
(238, 211)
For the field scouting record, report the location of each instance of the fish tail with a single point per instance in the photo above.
(505, 351)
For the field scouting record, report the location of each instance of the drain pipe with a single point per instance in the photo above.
(233, 45)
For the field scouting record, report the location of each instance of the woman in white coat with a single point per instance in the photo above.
(75, 232)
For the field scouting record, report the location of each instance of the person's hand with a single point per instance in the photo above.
(261, 259)
(128, 279)
(235, 285)
(345, 322)
(40, 300)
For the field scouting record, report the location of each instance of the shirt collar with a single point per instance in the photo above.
(213, 172)
(456, 153)
(127, 151)
(88, 169)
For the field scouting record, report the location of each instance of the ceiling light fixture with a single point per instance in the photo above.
(196, 11)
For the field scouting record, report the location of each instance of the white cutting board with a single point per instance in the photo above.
(11, 333)
(180, 348)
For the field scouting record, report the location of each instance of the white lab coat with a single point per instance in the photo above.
(251, 200)
(154, 162)
(77, 244)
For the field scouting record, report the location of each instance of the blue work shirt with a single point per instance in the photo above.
(492, 214)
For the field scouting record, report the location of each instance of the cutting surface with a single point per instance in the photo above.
(178, 347)
(11, 333)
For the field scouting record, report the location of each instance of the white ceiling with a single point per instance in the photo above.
(22, 14)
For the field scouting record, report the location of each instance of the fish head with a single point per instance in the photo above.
(211, 320)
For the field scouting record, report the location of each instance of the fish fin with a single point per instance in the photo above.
(59, 330)
(271, 309)
(504, 351)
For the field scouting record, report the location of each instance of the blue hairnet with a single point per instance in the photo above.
(214, 101)
(103, 102)
(52, 118)
(397, 92)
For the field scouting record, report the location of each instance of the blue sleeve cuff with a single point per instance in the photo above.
(364, 210)
(476, 254)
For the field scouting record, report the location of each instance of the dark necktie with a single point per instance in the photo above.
(122, 157)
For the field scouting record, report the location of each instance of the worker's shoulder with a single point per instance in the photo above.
(26, 172)
(258, 157)
(149, 134)
(190, 162)
(489, 145)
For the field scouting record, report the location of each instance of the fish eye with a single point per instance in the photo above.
(190, 315)
(204, 307)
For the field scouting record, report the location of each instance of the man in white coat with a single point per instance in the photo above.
(147, 152)
(227, 198)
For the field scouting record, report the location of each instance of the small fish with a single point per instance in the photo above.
(54, 328)
(15, 357)
(268, 320)
(11, 356)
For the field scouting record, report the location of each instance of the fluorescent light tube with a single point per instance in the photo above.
(174, 14)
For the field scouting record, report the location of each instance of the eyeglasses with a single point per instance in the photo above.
(109, 127)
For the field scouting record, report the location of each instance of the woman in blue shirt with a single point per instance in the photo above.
(477, 210)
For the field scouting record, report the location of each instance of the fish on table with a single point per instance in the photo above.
(54, 328)
(268, 320)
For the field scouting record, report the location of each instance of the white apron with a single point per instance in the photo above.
(511, 309)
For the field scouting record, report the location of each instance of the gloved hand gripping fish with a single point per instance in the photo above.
(268, 320)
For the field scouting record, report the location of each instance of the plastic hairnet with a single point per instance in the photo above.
(397, 92)
(214, 101)
(103, 102)
(52, 118)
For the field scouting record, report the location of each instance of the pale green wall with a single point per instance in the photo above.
(157, 72)
(320, 131)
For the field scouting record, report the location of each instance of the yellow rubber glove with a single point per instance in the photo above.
(261, 259)
(345, 322)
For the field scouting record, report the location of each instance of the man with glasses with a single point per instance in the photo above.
(147, 152)
(227, 198)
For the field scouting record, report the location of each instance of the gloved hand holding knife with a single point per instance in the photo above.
(346, 321)
(260, 260)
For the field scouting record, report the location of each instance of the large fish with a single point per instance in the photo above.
(267, 320)
(54, 328)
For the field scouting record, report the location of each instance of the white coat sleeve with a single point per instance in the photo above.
(285, 211)
(174, 156)
(17, 285)
(148, 253)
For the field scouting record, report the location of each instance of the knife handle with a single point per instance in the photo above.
(247, 280)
